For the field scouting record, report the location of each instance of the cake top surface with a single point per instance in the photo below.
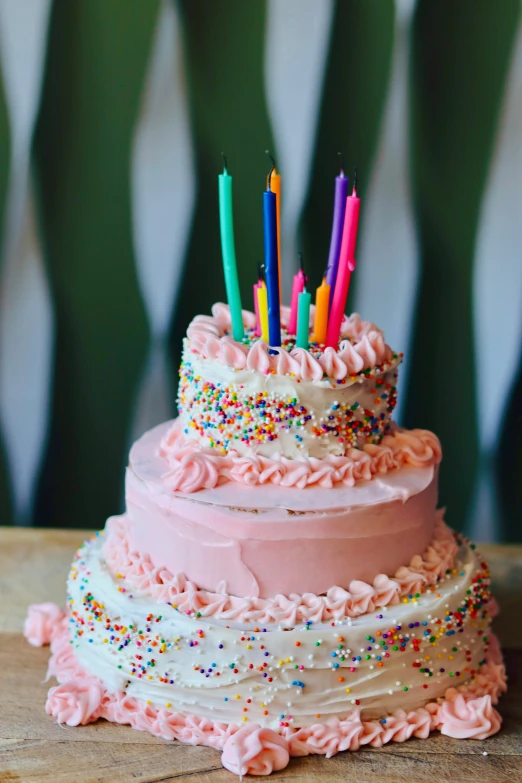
(362, 351)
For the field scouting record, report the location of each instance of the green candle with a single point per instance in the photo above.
(303, 319)
(228, 250)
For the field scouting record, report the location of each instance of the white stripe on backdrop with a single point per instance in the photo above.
(163, 198)
(388, 248)
(296, 48)
(497, 294)
(26, 322)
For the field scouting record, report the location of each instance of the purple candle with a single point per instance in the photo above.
(341, 192)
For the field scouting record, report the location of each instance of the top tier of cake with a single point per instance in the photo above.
(249, 399)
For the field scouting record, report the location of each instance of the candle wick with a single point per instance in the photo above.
(260, 271)
(269, 178)
(225, 165)
(355, 176)
(341, 162)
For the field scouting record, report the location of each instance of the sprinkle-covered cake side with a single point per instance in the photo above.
(251, 399)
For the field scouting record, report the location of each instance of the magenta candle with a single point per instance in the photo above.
(297, 288)
(257, 285)
(345, 269)
(341, 192)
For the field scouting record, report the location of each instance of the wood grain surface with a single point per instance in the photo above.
(35, 749)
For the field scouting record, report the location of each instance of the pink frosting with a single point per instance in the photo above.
(258, 357)
(232, 354)
(284, 363)
(207, 337)
(192, 466)
(76, 702)
(353, 361)
(255, 751)
(333, 364)
(309, 368)
(464, 712)
(40, 623)
(468, 719)
(361, 597)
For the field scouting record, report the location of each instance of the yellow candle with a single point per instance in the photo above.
(322, 299)
(262, 303)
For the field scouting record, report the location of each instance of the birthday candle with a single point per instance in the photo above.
(259, 283)
(346, 267)
(262, 303)
(341, 192)
(275, 187)
(229, 252)
(257, 331)
(303, 319)
(297, 288)
(271, 265)
(322, 303)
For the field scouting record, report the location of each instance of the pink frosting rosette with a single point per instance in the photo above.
(41, 622)
(75, 702)
(468, 719)
(255, 751)
(63, 663)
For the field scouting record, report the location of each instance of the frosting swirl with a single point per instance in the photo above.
(255, 751)
(362, 347)
(40, 623)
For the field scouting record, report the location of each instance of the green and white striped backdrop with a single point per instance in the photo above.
(113, 115)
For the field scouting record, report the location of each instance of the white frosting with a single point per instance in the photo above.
(324, 404)
(235, 687)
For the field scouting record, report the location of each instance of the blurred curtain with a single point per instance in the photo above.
(113, 117)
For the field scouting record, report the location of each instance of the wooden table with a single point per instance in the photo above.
(35, 749)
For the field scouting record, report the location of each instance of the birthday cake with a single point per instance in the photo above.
(281, 582)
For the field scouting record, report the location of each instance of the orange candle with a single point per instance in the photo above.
(276, 188)
(322, 301)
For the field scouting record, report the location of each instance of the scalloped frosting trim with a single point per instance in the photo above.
(192, 466)
(464, 712)
(362, 352)
(136, 569)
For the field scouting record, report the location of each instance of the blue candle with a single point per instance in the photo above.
(271, 266)
(341, 192)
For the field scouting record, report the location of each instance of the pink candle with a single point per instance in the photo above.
(297, 288)
(260, 283)
(346, 267)
(257, 285)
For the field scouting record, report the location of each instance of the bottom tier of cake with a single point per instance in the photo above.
(423, 662)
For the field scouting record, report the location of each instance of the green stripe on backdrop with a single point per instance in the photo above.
(459, 64)
(224, 55)
(356, 81)
(97, 56)
(5, 151)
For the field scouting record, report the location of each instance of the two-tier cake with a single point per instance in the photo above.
(281, 582)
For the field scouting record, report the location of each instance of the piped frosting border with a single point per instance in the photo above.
(192, 466)
(362, 351)
(140, 575)
(80, 698)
